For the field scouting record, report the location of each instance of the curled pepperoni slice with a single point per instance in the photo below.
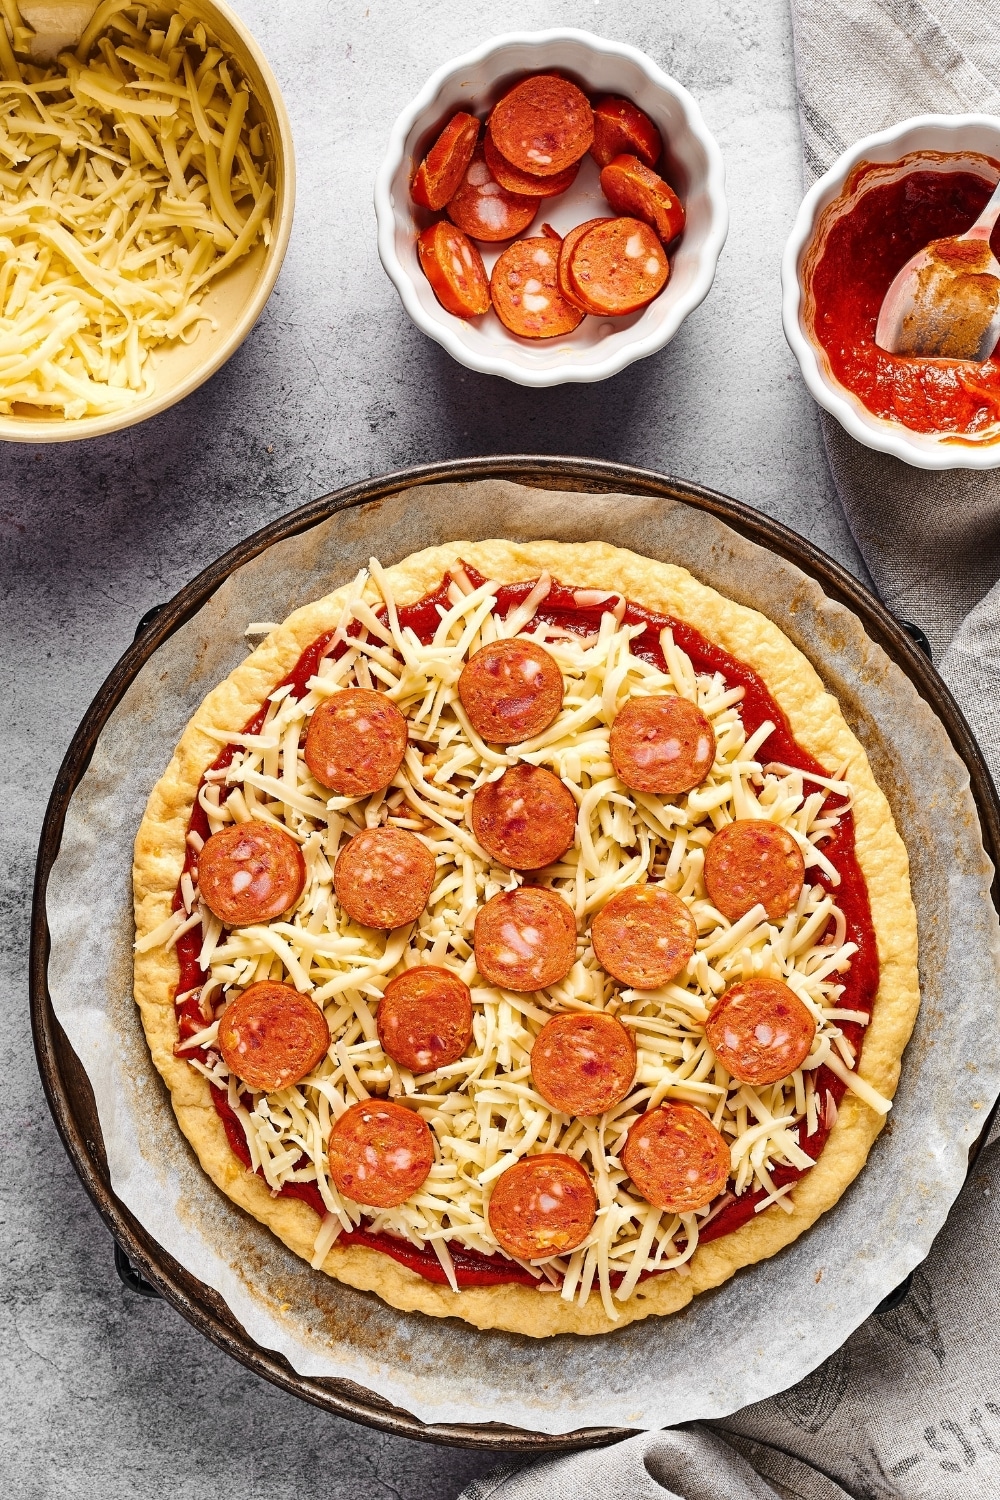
(662, 744)
(644, 936)
(525, 939)
(620, 127)
(487, 211)
(355, 742)
(542, 1205)
(569, 244)
(526, 183)
(751, 861)
(617, 267)
(631, 188)
(583, 1064)
(379, 1153)
(676, 1158)
(250, 873)
(383, 877)
(543, 125)
(760, 1030)
(442, 169)
(271, 1036)
(524, 287)
(526, 819)
(511, 691)
(455, 270)
(425, 1018)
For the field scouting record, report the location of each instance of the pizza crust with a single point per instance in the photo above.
(818, 725)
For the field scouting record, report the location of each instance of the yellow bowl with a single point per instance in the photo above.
(236, 298)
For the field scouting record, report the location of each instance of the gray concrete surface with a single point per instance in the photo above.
(104, 1396)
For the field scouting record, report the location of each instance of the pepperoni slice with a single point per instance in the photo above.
(455, 270)
(383, 877)
(355, 742)
(543, 125)
(425, 1018)
(617, 267)
(526, 183)
(526, 819)
(250, 873)
(442, 169)
(524, 287)
(760, 1030)
(484, 209)
(662, 744)
(271, 1036)
(569, 244)
(620, 127)
(379, 1153)
(525, 939)
(631, 188)
(583, 1064)
(751, 861)
(644, 936)
(542, 1205)
(511, 691)
(676, 1158)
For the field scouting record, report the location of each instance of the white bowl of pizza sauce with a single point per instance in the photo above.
(941, 145)
(692, 164)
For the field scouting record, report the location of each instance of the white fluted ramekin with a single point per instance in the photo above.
(599, 347)
(951, 134)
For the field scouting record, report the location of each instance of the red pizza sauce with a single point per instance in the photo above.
(862, 253)
(860, 983)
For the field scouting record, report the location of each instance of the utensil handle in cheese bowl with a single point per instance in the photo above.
(56, 24)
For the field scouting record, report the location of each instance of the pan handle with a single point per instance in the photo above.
(908, 625)
(130, 1276)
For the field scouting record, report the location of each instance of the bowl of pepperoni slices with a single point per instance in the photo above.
(551, 207)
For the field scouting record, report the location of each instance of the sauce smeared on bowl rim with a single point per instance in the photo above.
(886, 212)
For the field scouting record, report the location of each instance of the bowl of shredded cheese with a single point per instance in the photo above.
(147, 182)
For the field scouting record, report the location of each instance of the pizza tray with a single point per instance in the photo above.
(143, 1263)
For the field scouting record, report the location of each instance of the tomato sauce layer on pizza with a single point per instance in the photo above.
(523, 937)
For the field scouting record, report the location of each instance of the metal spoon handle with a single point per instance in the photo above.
(983, 227)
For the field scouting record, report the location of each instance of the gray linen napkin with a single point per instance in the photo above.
(931, 541)
(909, 1408)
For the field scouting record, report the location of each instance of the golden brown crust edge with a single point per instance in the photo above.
(819, 727)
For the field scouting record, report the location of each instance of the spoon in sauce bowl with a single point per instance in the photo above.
(945, 302)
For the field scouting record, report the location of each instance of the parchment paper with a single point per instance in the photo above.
(773, 1322)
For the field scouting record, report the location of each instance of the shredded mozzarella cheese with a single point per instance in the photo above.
(483, 1111)
(131, 175)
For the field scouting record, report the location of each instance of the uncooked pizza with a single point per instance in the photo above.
(523, 937)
